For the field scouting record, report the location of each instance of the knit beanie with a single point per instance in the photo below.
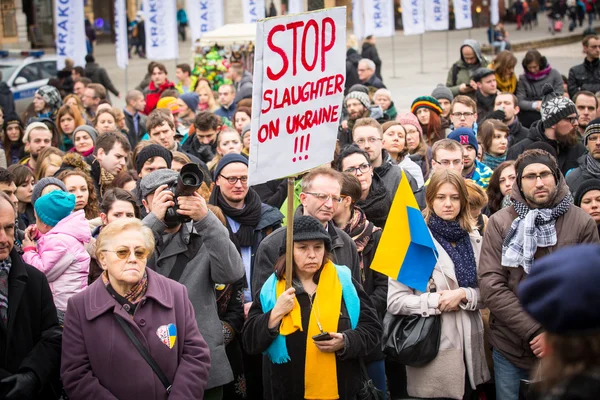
(410, 119)
(593, 128)
(555, 107)
(465, 136)
(358, 88)
(32, 126)
(229, 159)
(191, 99)
(170, 103)
(40, 185)
(427, 102)
(360, 96)
(54, 206)
(12, 117)
(152, 150)
(586, 186)
(246, 128)
(89, 130)
(528, 158)
(155, 179)
(561, 291)
(442, 92)
(51, 96)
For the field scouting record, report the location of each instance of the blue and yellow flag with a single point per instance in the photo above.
(406, 251)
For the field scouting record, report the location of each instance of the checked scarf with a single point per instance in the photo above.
(593, 166)
(4, 272)
(532, 228)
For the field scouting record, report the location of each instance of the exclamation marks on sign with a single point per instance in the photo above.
(301, 145)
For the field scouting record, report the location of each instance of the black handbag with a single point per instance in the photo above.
(412, 340)
(367, 391)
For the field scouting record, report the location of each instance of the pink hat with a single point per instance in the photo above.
(409, 119)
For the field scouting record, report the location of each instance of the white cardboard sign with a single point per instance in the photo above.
(299, 76)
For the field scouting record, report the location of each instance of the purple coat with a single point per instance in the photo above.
(100, 362)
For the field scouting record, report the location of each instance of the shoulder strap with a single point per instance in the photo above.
(144, 353)
(185, 257)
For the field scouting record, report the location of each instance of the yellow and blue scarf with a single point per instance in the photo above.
(335, 284)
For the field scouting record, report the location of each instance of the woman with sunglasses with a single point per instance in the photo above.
(315, 333)
(375, 200)
(101, 360)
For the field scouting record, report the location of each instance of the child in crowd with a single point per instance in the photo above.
(60, 251)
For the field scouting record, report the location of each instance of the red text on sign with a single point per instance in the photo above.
(311, 34)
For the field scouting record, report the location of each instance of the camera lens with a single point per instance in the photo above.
(190, 179)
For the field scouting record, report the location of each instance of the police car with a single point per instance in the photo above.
(24, 72)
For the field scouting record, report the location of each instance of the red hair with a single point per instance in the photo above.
(433, 130)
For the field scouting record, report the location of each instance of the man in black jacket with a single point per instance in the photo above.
(589, 164)
(134, 119)
(557, 128)
(485, 96)
(508, 103)
(98, 74)
(7, 101)
(586, 76)
(30, 338)
(370, 51)
(366, 74)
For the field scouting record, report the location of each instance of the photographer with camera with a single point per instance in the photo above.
(193, 248)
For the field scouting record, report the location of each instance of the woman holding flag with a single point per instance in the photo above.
(460, 364)
(314, 333)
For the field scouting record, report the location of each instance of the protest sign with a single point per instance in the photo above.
(436, 15)
(121, 45)
(379, 18)
(299, 76)
(462, 14)
(70, 32)
(413, 17)
(207, 16)
(161, 29)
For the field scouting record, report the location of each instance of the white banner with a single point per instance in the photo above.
(295, 6)
(253, 10)
(358, 22)
(413, 17)
(494, 12)
(462, 14)
(162, 41)
(70, 32)
(299, 76)
(204, 16)
(436, 15)
(121, 46)
(379, 18)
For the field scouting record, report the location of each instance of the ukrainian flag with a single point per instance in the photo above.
(406, 251)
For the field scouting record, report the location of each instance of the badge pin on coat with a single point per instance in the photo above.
(167, 334)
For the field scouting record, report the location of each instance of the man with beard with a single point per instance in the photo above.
(540, 220)
(507, 102)
(92, 95)
(358, 106)
(557, 128)
(589, 164)
(485, 96)
(473, 169)
(586, 76)
(37, 138)
(202, 143)
(587, 107)
(459, 79)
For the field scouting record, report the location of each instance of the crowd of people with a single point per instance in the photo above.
(137, 262)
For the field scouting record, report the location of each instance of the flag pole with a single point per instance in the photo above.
(421, 43)
(289, 238)
(447, 47)
(394, 54)
(126, 78)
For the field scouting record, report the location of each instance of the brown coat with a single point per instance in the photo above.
(511, 328)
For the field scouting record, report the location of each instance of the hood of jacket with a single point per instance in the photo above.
(269, 216)
(75, 225)
(474, 44)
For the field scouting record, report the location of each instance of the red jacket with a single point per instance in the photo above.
(153, 95)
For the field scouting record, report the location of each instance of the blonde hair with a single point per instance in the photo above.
(120, 117)
(205, 89)
(45, 160)
(452, 177)
(115, 229)
(477, 196)
(212, 164)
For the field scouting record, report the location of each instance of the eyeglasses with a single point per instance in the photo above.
(461, 115)
(325, 197)
(371, 140)
(448, 163)
(544, 176)
(233, 179)
(363, 168)
(124, 252)
(572, 120)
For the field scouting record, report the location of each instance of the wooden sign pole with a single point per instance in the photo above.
(289, 238)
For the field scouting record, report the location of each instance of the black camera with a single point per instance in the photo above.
(189, 180)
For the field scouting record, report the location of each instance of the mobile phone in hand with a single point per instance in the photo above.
(322, 336)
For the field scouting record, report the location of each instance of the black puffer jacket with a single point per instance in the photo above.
(7, 101)
(567, 155)
(352, 59)
(579, 175)
(584, 76)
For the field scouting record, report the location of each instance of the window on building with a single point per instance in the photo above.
(8, 17)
